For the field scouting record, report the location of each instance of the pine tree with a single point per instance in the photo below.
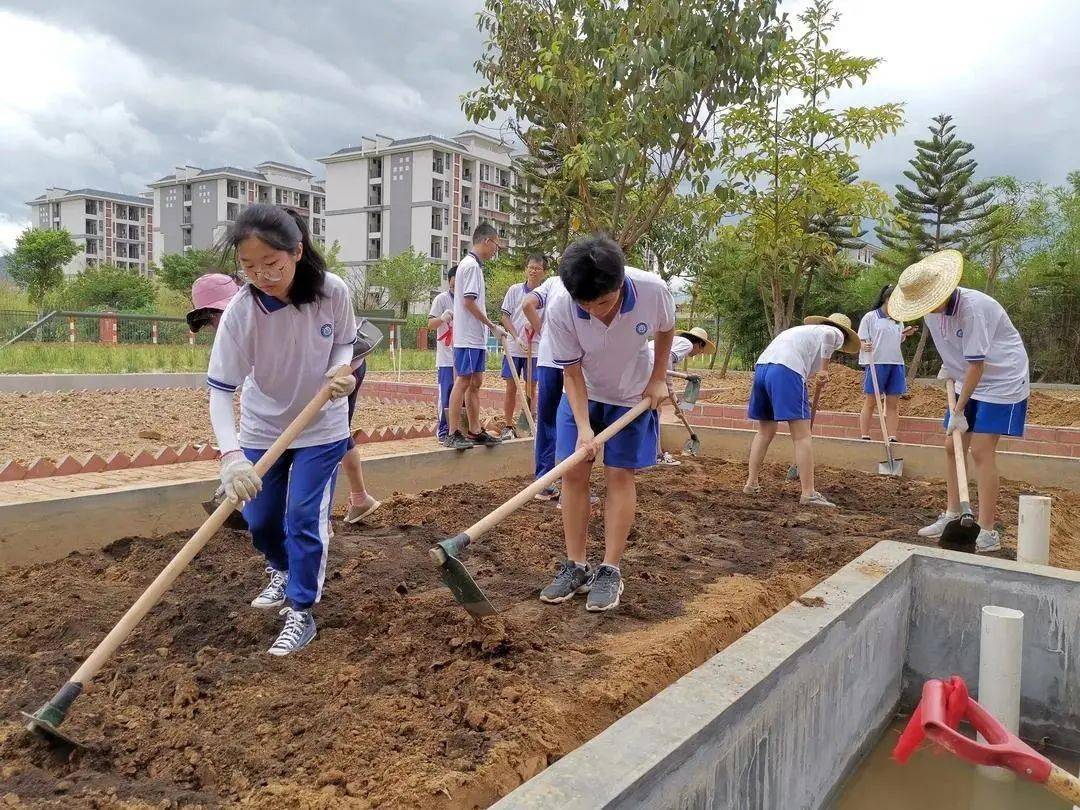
(945, 209)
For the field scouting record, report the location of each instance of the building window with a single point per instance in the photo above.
(438, 164)
(375, 195)
(187, 238)
(232, 189)
(91, 227)
(437, 190)
(279, 199)
(436, 247)
(485, 198)
(374, 168)
(436, 219)
(374, 250)
(303, 200)
(465, 228)
(504, 177)
(446, 245)
(466, 202)
(485, 172)
(187, 193)
(232, 211)
(92, 207)
(316, 205)
(466, 173)
(91, 247)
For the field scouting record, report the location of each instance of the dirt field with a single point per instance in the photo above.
(55, 424)
(401, 701)
(845, 393)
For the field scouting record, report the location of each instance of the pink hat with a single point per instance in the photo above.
(212, 291)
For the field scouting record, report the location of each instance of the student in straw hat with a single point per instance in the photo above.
(685, 344)
(982, 353)
(779, 393)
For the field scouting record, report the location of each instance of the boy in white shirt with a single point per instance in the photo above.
(982, 353)
(779, 394)
(549, 377)
(471, 325)
(521, 336)
(599, 329)
(686, 344)
(441, 319)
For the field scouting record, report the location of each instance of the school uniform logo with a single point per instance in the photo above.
(327, 330)
(959, 333)
(641, 328)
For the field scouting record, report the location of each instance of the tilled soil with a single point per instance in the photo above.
(402, 701)
(70, 423)
(844, 393)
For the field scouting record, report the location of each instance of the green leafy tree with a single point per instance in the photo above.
(945, 207)
(333, 261)
(37, 263)
(616, 102)
(791, 150)
(179, 270)
(677, 240)
(403, 279)
(1019, 218)
(106, 288)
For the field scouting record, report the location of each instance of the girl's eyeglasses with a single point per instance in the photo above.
(271, 276)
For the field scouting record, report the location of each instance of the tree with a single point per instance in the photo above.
(404, 278)
(945, 209)
(106, 288)
(677, 238)
(37, 263)
(179, 270)
(333, 262)
(616, 102)
(1019, 218)
(791, 150)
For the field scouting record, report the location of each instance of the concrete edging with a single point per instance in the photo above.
(38, 383)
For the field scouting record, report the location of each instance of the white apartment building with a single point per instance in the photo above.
(111, 228)
(427, 193)
(193, 206)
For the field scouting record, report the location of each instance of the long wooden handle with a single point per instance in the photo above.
(495, 518)
(683, 375)
(880, 401)
(958, 453)
(679, 413)
(529, 373)
(1063, 784)
(522, 401)
(161, 583)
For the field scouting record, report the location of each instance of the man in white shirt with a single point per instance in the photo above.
(599, 330)
(982, 353)
(524, 342)
(549, 377)
(441, 319)
(778, 394)
(471, 324)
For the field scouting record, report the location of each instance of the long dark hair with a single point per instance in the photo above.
(883, 296)
(281, 228)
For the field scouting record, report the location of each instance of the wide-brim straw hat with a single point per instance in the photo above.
(925, 285)
(851, 337)
(697, 333)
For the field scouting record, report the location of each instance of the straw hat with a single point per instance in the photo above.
(925, 285)
(697, 333)
(851, 338)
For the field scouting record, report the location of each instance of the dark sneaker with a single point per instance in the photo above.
(570, 580)
(297, 633)
(547, 494)
(459, 441)
(605, 589)
(484, 438)
(273, 595)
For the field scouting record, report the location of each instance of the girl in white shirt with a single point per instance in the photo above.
(880, 338)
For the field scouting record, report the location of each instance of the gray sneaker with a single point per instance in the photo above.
(605, 589)
(459, 441)
(507, 434)
(987, 541)
(816, 499)
(570, 580)
(297, 633)
(273, 595)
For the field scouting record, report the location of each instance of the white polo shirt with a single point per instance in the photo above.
(551, 287)
(803, 349)
(976, 327)
(280, 354)
(511, 308)
(615, 359)
(680, 350)
(444, 355)
(885, 334)
(469, 332)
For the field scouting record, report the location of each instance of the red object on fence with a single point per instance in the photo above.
(153, 332)
(107, 329)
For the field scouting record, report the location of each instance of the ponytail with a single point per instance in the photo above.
(883, 296)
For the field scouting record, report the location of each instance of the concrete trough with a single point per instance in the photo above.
(783, 715)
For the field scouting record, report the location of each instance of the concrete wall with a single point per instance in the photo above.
(944, 639)
(397, 193)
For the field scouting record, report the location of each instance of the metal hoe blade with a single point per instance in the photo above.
(892, 466)
(48, 732)
(960, 534)
(457, 578)
(692, 446)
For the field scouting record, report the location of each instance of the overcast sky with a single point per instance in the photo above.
(113, 95)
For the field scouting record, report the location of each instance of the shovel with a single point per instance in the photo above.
(944, 704)
(690, 395)
(892, 466)
(525, 418)
(45, 722)
(793, 470)
(959, 534)
(446, 553)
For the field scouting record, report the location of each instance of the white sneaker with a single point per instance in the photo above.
(297, 633)
(273, 595)
(937, 528)
(988, 540)
(816, 499)
(668, 460)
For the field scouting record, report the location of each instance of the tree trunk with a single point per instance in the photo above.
(727, 357)
(916, 361)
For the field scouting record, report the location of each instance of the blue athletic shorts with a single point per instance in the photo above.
(891, 379)
(469, 361)
(777, 395)
(632, 448)
(994, 417)
(519, 364)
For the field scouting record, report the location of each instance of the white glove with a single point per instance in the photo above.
(958, 422)
(238, 478)
(447, 316)
(942, 374)
(500, 333)
(342, 381)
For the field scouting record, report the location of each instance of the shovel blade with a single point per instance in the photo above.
(960, 534)
(692, 446)
(691, 393)
(893, 467)
(523, 425)
(792, 472)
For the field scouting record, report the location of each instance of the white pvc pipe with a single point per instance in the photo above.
(1000, 653)
(1033, 530)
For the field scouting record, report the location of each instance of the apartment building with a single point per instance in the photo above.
(425, 192)
(193, 206)
(111, 228)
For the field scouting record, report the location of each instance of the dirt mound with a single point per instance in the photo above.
(402, 701)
